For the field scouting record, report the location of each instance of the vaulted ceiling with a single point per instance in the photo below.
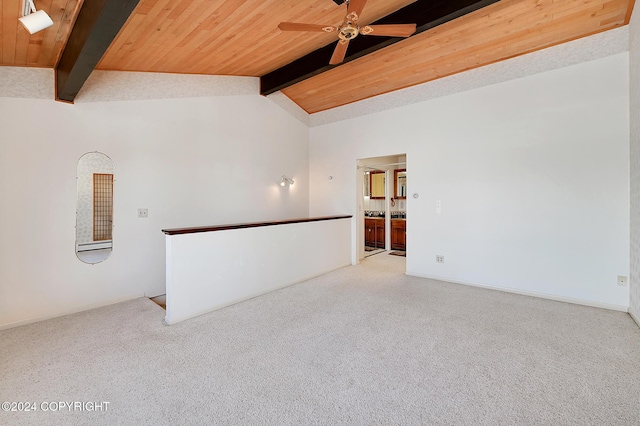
(241, 38)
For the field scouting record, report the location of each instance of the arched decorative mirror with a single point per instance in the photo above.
(94, 207)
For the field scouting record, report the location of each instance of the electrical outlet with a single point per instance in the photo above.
(622, 280)
(143, 213)
(439, 258)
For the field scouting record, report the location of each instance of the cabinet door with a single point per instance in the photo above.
(380, 234)
(369, 233)
(371, 237)
(395, 238)
(398, 235)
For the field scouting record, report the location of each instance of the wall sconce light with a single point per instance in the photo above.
(285, 180)
(33, 20)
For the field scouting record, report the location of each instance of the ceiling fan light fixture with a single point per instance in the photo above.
(34, 20)
(348, 32)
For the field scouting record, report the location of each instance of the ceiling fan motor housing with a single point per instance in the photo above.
(348, 32)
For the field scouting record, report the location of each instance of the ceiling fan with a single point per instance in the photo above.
(349, 29)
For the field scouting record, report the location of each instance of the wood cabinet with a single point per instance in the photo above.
(398, 234)
(374, 232)
(369, 232)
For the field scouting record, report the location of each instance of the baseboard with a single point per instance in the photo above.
(635, 318)
(69, 311)
(174, 320)
(609, 306)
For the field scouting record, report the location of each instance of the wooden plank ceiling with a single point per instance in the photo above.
(42, 49)
(233, 37)
(241, 37)
(497, 32)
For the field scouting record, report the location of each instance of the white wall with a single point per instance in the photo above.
(634, 78)
(532, 174)
(191, 162)
(210, 270)
(535, 170)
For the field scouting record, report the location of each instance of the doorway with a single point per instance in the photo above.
(381, 206)
(375, 211)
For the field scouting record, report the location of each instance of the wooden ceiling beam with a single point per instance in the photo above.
(425, 14)
(97, 25)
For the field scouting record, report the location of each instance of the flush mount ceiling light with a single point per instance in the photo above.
(34, 20)
(285, 180)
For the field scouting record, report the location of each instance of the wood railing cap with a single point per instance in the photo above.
(193, 230)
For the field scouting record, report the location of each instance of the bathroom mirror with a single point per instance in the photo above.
(400, 183)
(94, 207)
(377, 184)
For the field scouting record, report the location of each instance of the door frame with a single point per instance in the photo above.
(387, 163)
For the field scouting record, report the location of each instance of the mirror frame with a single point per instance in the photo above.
(97, 254)
(395, 184)
(371, 173)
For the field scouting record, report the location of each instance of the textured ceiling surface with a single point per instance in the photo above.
(582, 50)
(117, 86)
(241, 38)
(497, 32)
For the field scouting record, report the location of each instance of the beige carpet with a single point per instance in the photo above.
(363, 345)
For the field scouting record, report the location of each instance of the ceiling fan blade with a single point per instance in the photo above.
(293, 26)
(339, 52)
(392, 30)
(355, 9)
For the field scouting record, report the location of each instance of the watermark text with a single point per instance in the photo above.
(55, 406)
